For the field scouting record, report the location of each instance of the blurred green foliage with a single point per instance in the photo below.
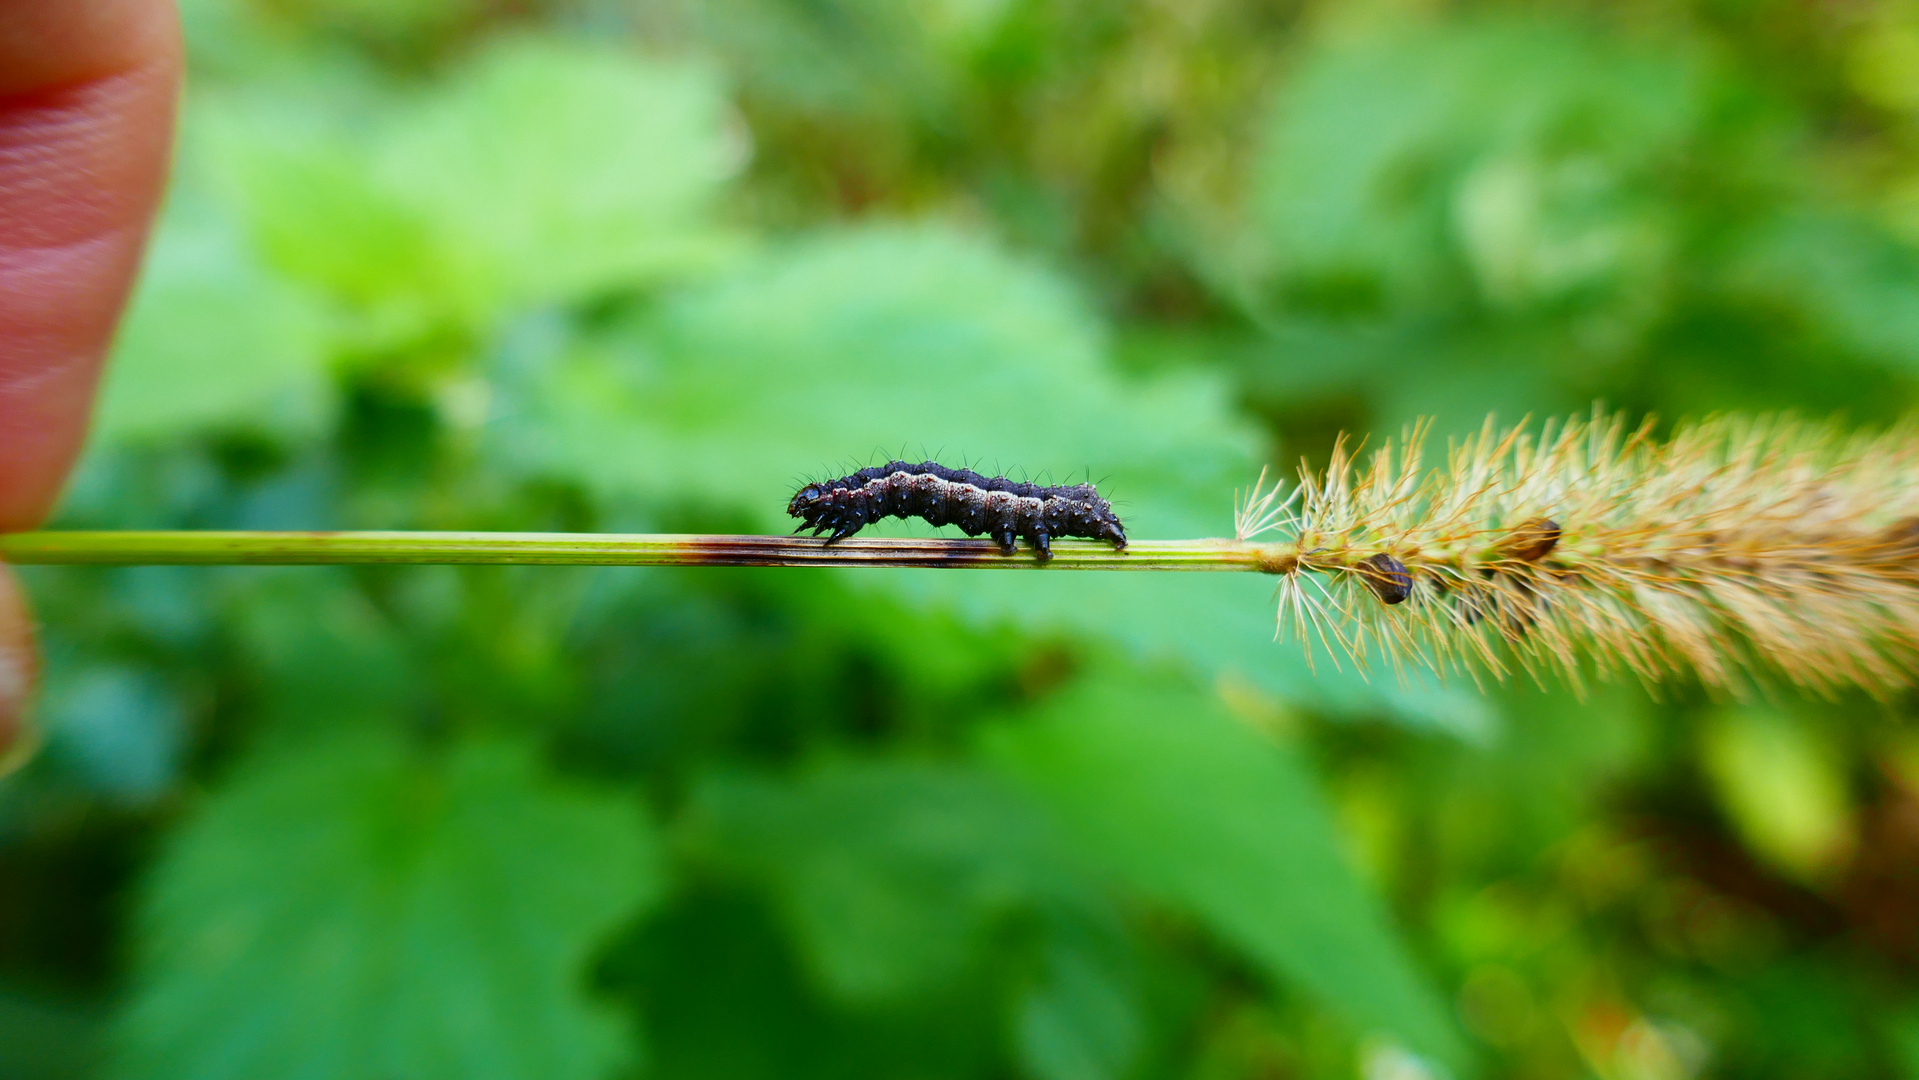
(575, 264)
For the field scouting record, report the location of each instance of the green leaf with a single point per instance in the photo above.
(1784, 787)
(870, 341)
(213, 341)
(545, 173)
(725, 998)
(118, 728)
(1521, 151)
(862, 62)
(573, 169)
(1902, 1035)
(1847, 278)
(320, 655)
(1082, 1019)
(318, 214)
(865, 341)
(350, 909)
(1199, 812)
(892, 877)
(45, 1038)
(238, 39)
(888, 873)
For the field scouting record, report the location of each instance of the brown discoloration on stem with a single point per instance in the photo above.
(787, 551)
(1275, 559)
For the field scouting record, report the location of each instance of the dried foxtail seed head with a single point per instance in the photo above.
(1738, 550)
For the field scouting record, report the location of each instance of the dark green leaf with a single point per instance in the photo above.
(1518, 150)
(1852, 282)
(351, 909)
(889, 873)
(1082, 1018)
(118, 728)
(1198, 811)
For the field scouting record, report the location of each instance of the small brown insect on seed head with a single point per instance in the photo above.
(1387, 577)
(1531, 541)
(1903, 537)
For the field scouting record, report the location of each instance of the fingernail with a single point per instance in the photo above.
(18, 740)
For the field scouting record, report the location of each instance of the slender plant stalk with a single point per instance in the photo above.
(1736, 548)
(141, 548)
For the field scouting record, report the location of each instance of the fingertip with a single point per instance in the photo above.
(54, 43)
(87, 94)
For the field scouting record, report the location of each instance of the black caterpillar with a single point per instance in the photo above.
(980, 505)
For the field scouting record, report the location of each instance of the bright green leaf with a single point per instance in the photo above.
(352, 909)
(1784, 788)
(318, 215)
(214, 342)
(567, 170)
(545, 173)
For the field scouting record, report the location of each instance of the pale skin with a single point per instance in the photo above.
(87, 96)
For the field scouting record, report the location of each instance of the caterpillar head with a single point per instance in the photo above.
(806, 501)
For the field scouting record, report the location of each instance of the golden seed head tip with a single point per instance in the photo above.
(1736, 548)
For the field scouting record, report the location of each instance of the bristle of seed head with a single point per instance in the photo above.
(1738, 550)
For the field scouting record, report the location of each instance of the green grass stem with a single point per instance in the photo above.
(154, 548)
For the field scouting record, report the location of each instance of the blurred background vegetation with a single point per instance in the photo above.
(573, 264)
